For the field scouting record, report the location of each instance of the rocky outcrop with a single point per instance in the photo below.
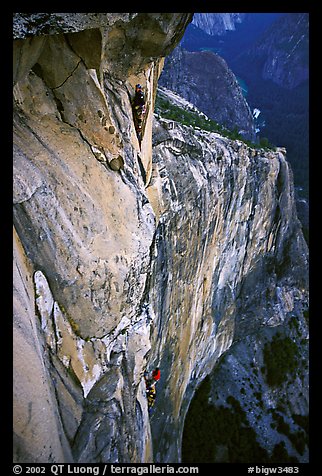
(205, 80)
(118, 270)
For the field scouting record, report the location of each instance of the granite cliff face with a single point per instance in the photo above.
(228, 263)
(127, 258)
(86, 227)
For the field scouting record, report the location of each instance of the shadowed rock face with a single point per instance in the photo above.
(116, 270)
(281, 54)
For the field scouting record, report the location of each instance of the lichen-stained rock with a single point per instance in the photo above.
(87, 358)
(115, 427)
(145, 38)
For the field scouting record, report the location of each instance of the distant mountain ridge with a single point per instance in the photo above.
(281, 53)
(205, 80)
(270, 52)
(229, 37)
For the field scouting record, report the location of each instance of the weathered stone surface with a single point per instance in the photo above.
(34, 406)
(159, 262)
(101, 265)
(88, 46)
(220, 270)
(25, 55)
(35, 24)
(86, 224)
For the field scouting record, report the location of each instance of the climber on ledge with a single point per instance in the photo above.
(138, 105)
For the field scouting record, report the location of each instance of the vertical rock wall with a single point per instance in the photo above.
(124, 259)
(35, 408)
(228, 259)
(86, 226)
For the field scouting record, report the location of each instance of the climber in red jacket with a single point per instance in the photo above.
(150, 381)
(156, 374)
(153, 378)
